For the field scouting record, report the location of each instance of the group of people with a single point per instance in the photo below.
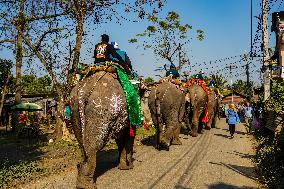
(243, 113)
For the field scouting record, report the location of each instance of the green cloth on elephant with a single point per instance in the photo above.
(132, 98)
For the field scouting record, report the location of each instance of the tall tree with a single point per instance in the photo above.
(167, 38)
(61, 19)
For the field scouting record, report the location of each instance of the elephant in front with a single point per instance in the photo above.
(196, 102)
(98, 112)
(213, 109)
(167, 107)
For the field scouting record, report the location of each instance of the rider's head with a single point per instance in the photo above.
(105, 38)
(172, 66)
(115, 45)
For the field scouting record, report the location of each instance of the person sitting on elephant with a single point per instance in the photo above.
(121, 53)
(200, 75)
(173, 72)
(104, 51)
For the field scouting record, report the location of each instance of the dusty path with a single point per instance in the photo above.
(211, 160)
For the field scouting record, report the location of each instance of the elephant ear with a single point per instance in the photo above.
(187, 97)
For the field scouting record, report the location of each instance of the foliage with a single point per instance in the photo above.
(276, 99)
(149, 80)
(5, 71)
(241, 87)
(269, 159)
(167, 38)
(13, 171)
(31, 84)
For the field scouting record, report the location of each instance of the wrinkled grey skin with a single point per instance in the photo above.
(99, 111)
(196, 102)
(213, 108)
(167, 107)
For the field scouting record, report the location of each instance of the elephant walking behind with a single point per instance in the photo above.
(196, 98)
(99, 111)
(213, 109)
(167, 107)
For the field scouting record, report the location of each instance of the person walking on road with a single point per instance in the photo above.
(232, 119)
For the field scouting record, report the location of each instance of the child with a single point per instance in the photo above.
(232, 119)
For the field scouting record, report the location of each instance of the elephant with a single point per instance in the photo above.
(98, 112)
(196, 102)
(213, 109)
(167, 106)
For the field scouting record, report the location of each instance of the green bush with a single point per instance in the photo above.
(276, 99)
(13, 171)
(270, 162)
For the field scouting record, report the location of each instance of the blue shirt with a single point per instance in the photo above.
(232, 117)
(248, 112)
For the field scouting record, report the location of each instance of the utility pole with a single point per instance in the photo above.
(266, 75)
(231, 67)
(247, 68)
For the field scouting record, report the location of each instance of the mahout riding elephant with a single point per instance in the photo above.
(213, 109)
(196, 102)
(99, 111)
(167, 107)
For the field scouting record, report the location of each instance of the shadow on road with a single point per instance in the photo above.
(222, 185)
(106, 160)
(245, 171)
(242, 155)
(149, 141)
(221, 135)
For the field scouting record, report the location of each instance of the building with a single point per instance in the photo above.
(277, 61)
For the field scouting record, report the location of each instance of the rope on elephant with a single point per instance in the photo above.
(132, 98)
(202, 84)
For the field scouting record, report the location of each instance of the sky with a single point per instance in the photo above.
(226, 24)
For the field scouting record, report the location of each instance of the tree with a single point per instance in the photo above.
(149, 80)
(241, 87)
(219, 81)
(58, 20)
(167, 38)
(5, 77)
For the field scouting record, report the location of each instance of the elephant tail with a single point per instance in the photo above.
(158, 117)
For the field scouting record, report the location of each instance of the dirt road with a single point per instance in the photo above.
(212, 160)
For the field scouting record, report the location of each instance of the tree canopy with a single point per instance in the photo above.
(167, 38)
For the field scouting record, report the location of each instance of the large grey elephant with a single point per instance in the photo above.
(167, 107)
(99, 111)
(213, 109)
(196, 98)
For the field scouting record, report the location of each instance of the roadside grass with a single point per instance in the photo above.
(23, 160)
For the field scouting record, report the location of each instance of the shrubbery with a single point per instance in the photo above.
(11, 171)
(270, 161)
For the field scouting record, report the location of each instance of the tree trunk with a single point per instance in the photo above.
(4, 92)
(19, 62)
(61, 130)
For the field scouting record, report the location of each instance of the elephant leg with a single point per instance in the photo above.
(176, 140)
(86, 172)
(176, 132)
(195, 121)
(125, 149)
(214, 121)
(209, 124)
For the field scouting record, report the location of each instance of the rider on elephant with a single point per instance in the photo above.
(200, 75)
(121, 53)
(104, 51)
(173, 72)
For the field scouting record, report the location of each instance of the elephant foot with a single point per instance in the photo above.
(124, 166)
(201, 131)
(176, 142)
(85, 183)
(207, 128)
(163, 146)
(194, 134)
